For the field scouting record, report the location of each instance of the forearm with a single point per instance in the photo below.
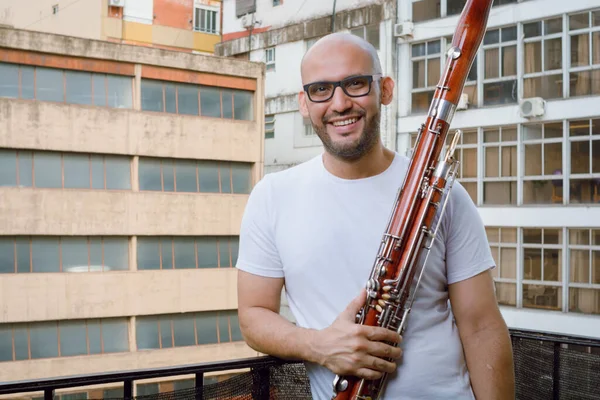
(488, 353)
(270, 333)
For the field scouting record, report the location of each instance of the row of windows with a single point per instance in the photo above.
(536, 266)
(24, 254)
(106, 90)
(537, 46)
(515, 165)
(41, 169)
(36, 340)
(424, 10)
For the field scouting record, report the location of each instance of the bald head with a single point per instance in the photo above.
(324, 48)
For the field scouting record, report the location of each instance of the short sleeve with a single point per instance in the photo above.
(257, 251)
(467, 248)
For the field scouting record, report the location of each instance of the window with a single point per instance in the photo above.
(77, 337)
(543, 59)
(188, 99)
(206, 19)
(503, 244)
(542, 268)
(269, 126)
(466, 153)
(277, 3)
(189, 329)
(171, 175)
(584, 36)
(270, 58)
(41, 169)
(543, 170)
(23, 254)
(155, 253)
(65, 86)
(584, 140)
(584, 274)
(500, 165)
(424, 10)
(500, 66)
(308, 127)
(426, 73)
(370, 33)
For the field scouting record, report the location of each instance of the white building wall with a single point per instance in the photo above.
(563, 216)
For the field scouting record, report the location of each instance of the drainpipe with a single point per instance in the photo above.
(333, 18)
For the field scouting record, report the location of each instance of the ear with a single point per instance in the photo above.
(387, 90)
(302, 104)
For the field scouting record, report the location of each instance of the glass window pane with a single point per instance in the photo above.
(548, 86)
(77, 171)
(500, 193)
(206, 327)
(552, 158)
(553, 26)
(166, 335)
(187, 99)
(147, 389)
(185, 253)
(225, 173)
(532, 264)
(585, 301)
(23, 255)
(579, 236)
(49, 84)
(227, 103)
(75, 254)
(580, 50)
(166, 248)
(118, 173)
(207, 253)
(418, 50)
(532, 236)
(506, 293)
(234, 243)
(45, 255)
(552, 265)
(532, 29)
(242, 102)
(224, 259)
(533, 159)
(21, 346)
(509, 34)
(93, 327)
(48, 170)
(579, 266)
(25, 160)
(6, 343)
(168, 174)
(418, 74)
(241, 178)
(553, 54)
(500, 93)
(8, 167)
(96, 255)
(509, 61)
(185, 172)
(508, 263)
(491, 162)
(43, 337)
(509, 161)
(148, 253)
(208, 176)
(120, 93)
(223, 327)
(97, 163)
(183, 328)
(533, 57)
(152, 96)
(492, 66)
(115, 336)
(7, 255)
(580, 157)
(79, 87)
(579, 21)
(210, 102)
(73, 338)
(433, 71)
(147, 333)
(27, 82)
(149, 174)
(99, 89)
(9, 80)
(170, 99)
(116, 254)
(236, 334)
(541, 296)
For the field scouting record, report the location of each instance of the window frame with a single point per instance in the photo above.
(209, 9)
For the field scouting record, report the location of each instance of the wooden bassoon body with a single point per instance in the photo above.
(421, 197)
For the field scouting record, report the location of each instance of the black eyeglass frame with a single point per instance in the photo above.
(370, 80)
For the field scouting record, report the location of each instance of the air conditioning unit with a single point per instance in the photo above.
(247, 21)
(463, 102)
(532, 107)
(404, 30)
(116, 3)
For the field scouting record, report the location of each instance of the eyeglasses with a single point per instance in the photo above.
(353, 86)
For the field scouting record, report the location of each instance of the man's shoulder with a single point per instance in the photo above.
(294, 176)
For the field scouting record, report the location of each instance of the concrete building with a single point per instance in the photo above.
(531, 146)
(278, 33)
(124, 173)
(183, 25)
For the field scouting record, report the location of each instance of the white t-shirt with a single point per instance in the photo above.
(321, 233)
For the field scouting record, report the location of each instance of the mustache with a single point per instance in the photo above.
(349, 114)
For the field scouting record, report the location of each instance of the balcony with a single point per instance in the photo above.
(547, 366)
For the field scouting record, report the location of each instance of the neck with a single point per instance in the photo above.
(377, 160)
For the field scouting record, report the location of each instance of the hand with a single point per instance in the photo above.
(347, 348)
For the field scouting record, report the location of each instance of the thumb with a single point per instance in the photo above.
(355, 305)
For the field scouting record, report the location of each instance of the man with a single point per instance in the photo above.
(317, 228)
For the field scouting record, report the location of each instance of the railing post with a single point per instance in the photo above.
(556, 372)
(49, 394)
(128, 389)
(200, 386)
(260, 383)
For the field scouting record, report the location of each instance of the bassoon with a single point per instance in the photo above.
(423, 195)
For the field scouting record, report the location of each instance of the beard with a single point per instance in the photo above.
(355, 150)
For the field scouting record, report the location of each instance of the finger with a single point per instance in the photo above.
(378, 334)
(384, 350)
(355, 305)
(369, 374)
(378, 364)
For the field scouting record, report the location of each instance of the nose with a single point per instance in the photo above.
(340, 102)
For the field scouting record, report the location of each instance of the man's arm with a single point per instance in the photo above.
(485, 337)
(343, 347)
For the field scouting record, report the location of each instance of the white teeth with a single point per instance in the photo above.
(345, 122)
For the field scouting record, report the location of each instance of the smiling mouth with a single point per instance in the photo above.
(345, 122)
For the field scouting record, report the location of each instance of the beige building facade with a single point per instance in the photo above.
(124, 173)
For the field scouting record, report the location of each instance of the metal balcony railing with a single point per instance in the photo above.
(547, 366)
